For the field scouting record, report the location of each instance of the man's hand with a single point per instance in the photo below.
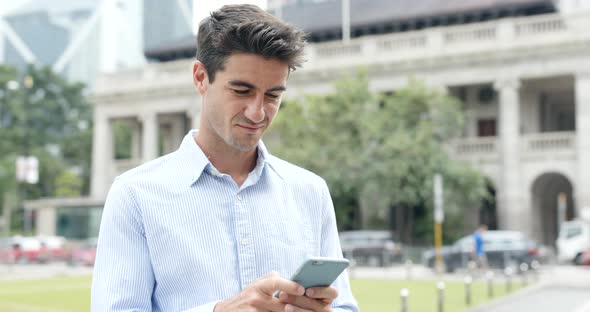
(258, 296)
(317, 299)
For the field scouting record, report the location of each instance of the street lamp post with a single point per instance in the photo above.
(27, 167)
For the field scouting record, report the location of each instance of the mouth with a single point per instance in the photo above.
(251, 129)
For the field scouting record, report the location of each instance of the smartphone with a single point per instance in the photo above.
(318, 272)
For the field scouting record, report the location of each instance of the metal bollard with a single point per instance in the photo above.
(404, 293)
(471, 265)
(524, 268)
(490, 280)
(441, 296)
(408, 265)
(468, 280)
(536, 266)
(508, 272)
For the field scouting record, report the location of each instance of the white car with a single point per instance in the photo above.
(573, 240)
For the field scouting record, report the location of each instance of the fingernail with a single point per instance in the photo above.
(301, 290)
(283, 296)
(289, 308)
(310, 292)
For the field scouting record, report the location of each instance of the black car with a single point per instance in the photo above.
(370, 247)
(502, 248)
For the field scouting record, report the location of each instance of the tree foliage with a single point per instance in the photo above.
(45, 116)
(379, 153)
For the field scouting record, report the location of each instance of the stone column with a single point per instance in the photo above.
(582, 185)
(510, 211)
(102, 154)
(149, 142)
(46, 221)
(135, 139)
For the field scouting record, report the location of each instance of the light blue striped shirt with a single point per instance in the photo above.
(177, 235)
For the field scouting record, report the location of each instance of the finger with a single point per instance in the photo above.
(322, 293)
(268, 304)
(303, 302)
(273, 282)
(292, 308)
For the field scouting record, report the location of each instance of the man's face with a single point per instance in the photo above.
(242, 101)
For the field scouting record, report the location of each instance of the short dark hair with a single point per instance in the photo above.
(247, 29)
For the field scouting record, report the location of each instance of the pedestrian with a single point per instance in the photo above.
(479, 249)
(221, 224)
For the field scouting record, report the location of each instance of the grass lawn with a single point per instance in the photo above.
(384, 295)
(46, 295)
(73, 294)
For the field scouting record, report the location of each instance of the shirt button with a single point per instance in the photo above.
(239, 197)
(244, 242)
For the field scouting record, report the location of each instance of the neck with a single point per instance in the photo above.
(237, 164)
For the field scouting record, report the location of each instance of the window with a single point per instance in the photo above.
(486, 127)
(78, 222)
(573, 232)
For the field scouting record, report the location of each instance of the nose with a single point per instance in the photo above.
(255, 109)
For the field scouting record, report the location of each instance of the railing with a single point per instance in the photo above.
(470, 34)
(549, 142)
(531, 144)
(433, 41)
(539, 26)
(339, 50)
(392, 44)
(475, 146)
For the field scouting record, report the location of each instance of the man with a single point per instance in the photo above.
(478, 247)
(220, 224)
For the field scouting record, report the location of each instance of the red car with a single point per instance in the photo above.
(20, 249)
(585, 258)
(85, 254)
(53, 248)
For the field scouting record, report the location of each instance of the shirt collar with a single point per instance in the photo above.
(193, 161)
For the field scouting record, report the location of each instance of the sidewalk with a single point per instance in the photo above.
(561, 288)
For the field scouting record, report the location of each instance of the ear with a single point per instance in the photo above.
(200, 77)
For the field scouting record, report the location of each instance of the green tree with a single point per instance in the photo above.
(379, 153)
(45, 116)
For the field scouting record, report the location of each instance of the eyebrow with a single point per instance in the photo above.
(239, 83)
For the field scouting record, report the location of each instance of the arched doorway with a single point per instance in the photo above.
(487, 212)
(546, 190)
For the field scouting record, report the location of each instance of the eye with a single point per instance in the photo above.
(241, 92)
(272, 96)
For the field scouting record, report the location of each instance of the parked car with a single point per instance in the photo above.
(85, 254)
(584, 258)
(372, 248)
(502, 248)
(19, 249)
(53, 248)
(573, 240)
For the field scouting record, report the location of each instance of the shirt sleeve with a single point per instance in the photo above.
(330, 247)
(123, 278)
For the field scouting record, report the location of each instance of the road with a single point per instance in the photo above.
(560, 289)
(34, 271)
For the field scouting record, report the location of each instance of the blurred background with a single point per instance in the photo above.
(427, 118)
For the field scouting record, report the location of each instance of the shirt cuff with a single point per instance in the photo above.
(207, 307)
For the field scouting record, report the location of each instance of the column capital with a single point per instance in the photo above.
(507, 83)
